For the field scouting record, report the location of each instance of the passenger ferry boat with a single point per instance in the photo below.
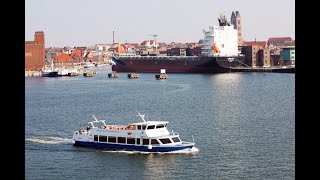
(149, 136)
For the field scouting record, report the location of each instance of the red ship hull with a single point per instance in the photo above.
(154, 65)
(200, 64)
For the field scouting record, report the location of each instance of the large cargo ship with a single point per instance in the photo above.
(219, 53)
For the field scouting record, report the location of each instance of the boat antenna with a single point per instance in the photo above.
(95, 118)
(141, 116)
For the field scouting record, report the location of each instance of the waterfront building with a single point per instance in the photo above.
(287, 55)
(102, 47)
(77, 55)
(256, 56)
(264, 57)
(149, 44)
(63, 60)
(257, 53)
(35, 52)
(279, 41)
(250, 53)
(89, 56)
(260, 44)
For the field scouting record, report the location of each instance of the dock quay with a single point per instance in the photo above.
(161, 76)
(113, 75)
(32, 73)
(263, 69)
(133, 76)
(73, 74)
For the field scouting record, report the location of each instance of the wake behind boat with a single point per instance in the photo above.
(148, 136)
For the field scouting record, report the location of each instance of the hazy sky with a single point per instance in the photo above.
(89, 22)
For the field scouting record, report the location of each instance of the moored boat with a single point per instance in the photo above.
(149, 136)
(49, 71)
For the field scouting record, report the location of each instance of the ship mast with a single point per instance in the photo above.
(141, 116)
(155, 40)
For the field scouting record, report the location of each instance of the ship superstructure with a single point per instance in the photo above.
(220, 40)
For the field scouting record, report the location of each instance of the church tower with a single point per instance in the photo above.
(236, 22)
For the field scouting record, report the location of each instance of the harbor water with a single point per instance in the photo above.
(243, 125)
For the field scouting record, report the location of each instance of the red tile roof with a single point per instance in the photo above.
(277, 39)
(257, 43)
(144, 42)
(63, 58)
(76, 53)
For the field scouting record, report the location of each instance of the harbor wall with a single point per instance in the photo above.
(32, 73)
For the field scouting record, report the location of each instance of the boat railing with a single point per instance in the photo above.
(173, 134)
(187, 143)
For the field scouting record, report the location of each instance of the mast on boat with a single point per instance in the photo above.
(142, 116)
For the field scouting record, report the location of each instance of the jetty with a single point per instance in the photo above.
(32, 73)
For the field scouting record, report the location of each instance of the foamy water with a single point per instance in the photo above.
(50, 140)
(193, 150)
(60, 140)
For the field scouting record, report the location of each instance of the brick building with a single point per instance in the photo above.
(250, 53)
(35, 52)
(255, 56)
(63, 60)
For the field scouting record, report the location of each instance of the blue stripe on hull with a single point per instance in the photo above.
(131, 147)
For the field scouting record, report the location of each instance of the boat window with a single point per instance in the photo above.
(138, 141)
(103, 138)
(131, 127)
(111, 139)
(159, 126)
(144, 127)
(175, 139)
(151, 127)
(145, 141)
(131, 141)
(95, 137)
(154, 141)
(121, 140)
(139, 127)
(165, 141)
